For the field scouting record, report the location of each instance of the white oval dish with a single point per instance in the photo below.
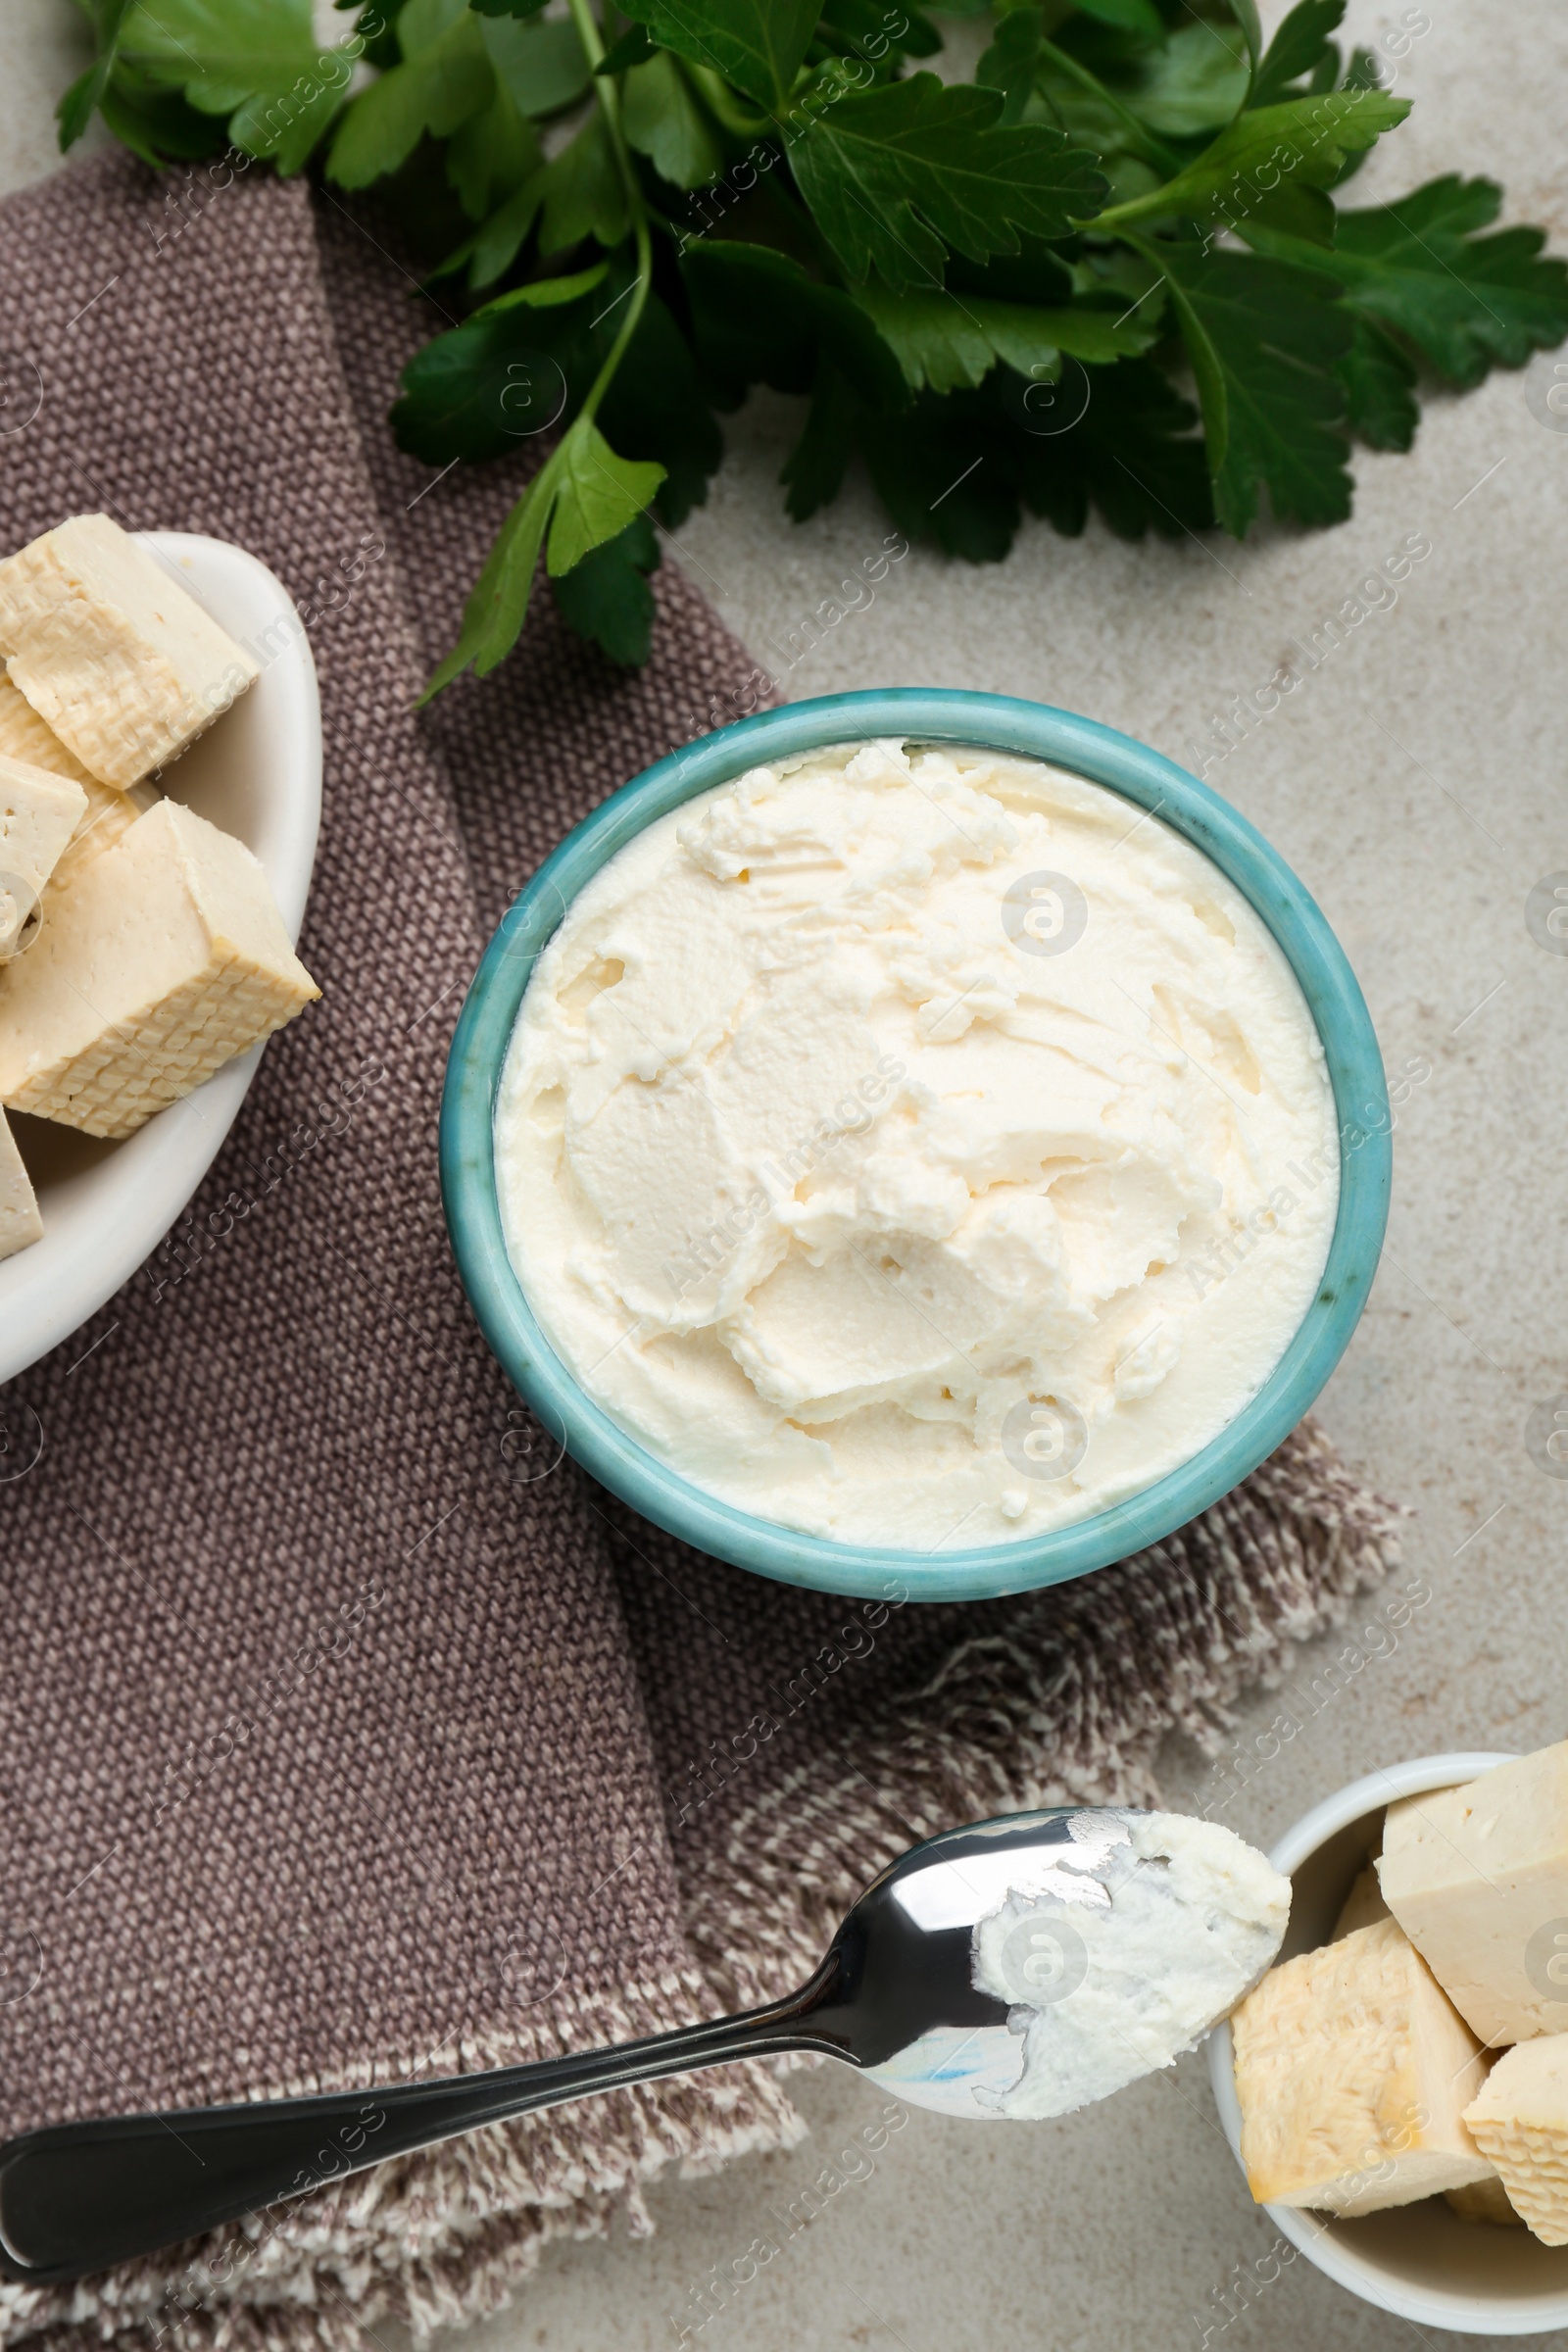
(1419, 2261)
(257, 773)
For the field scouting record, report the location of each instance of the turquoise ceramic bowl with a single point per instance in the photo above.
(1150, 781)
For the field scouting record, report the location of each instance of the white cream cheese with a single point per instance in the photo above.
(916, 1146)
(1177, 1920)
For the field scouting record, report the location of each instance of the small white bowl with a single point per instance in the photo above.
(1419, 2261)
(257, 773)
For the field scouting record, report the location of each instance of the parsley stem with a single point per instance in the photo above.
(722, 101)
(609, 99)
(1141, 141)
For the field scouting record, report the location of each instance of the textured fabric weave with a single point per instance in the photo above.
(346, 1735)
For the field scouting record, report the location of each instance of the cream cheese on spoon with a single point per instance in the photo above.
(1172, 1920)
(918, 1147)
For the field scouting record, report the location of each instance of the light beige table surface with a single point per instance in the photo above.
(1416, 781)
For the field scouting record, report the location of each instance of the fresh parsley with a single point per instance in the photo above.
(1109, 274)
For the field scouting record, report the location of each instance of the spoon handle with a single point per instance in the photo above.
(78, 2197)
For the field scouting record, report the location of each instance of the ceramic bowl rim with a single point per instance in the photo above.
(993, 721)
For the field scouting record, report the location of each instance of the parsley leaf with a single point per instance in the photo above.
(220, 52)
(1379, 380)
(655, 407)
(1466, 302)
(491, 155)
(945, 339)
(1196, 82)
(759, 44)
(599, 495)
(153, 122)
(496, 379)
(583, 494)
(939, 474)
(525, 362)
(956, 470)
(879, 34)
(494, 614)
(1301, 144)
(500, 239)
(256, 61)
(543, 66)
(1301, 47)
(584, 195)
(1132, 453)
(1264, 339)
(758, 318)
(605, 597)
(444, 79)
(1129, 15)
(1246, 17)
(662, 119)
(895, 177)
(634, 48)
(76, 107)
(1011, 63)
(814, 473)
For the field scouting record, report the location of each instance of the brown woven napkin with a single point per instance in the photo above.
(344, 1737)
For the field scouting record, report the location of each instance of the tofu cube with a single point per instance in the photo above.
(161, 963)
(1353, 2072)
(109, 813)
(1520, 2120)
(1478, 1879)
(38, 816)
(107, 816)
(24, 736)
(1484, 2201)
(114, 654)
(19, 1221)
(1364, 1905)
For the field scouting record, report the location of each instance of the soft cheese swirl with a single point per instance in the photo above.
(916, 1146)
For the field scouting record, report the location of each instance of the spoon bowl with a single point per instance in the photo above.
(915, 2017)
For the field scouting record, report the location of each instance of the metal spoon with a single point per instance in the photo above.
(895, 1997)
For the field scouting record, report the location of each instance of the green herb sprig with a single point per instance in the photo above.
(996, 293)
